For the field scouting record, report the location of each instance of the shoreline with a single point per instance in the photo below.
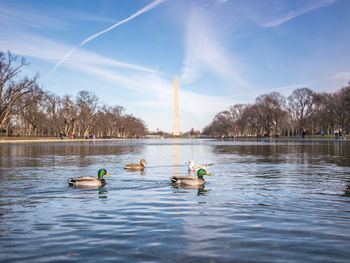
(5, 140)
(54, 140)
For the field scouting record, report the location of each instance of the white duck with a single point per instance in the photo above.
(194, 168)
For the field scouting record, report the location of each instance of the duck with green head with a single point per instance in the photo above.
(89, 181)
(190, 180)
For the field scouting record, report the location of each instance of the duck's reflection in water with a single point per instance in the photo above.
(90, 192)
(142, 172)
(102, 193)
(200, 189)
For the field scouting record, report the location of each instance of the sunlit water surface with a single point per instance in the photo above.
(265, 202)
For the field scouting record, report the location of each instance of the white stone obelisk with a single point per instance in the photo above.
(176, 108)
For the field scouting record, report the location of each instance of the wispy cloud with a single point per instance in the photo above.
(205, 53)
(192, 103)
(29, 17)
(342, 76)
(252, 95)
(295, 13)
(156, 92)
(30, 45)
(77, 15)
(155, 88)
(38, 18)
(143, 10)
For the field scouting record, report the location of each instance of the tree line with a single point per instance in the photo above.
(26, 109)
(303, 112)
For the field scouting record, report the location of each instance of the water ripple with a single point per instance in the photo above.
(265, 202)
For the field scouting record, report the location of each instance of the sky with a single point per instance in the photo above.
(224, 52)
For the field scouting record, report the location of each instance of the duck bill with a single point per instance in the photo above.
(108, 174)
(208, 174)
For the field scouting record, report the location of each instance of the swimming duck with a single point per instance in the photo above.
(346, 190)
(194, 168)
(190, 180)
(89, 181)
(136, 166)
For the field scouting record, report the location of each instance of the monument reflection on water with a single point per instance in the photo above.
(266, 201)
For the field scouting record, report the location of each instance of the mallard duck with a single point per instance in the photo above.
(194, 168)
(346, 190)
(89, 181)
(136, 166)
(190, 180)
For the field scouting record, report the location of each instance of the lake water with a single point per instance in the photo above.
(265, 202)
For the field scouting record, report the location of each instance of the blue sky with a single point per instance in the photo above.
(224, 51)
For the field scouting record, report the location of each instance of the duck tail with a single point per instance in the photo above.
(174, 179)
(71, 181)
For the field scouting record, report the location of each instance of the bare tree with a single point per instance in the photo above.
(34, 113)
(235, 114)
(324, 112)
(69, 113)
(264, 112)
(133, 127)
(271, 112)
(307, 110)
(252, 119)
(300, 107)
(110, 121)
(221, 125)
(25, 106)
(54, 118)
(87, 111)
(343, 108)
(12, 87)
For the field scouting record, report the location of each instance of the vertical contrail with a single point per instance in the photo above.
(143, 10)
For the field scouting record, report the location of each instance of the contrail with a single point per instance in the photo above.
(143, 10)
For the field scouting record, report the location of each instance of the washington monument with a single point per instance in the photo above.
(176, 108)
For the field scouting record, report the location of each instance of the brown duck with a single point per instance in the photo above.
(136, 166)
